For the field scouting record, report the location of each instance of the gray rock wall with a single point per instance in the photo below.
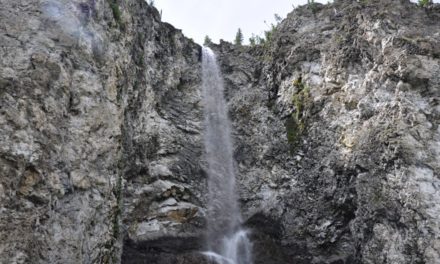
(99, 101)
(337, 129)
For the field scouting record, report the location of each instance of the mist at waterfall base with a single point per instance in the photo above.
(227, 242)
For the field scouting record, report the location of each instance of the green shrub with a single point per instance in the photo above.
(268, 34)
(424, 3)
(116, 11)
(252, 40)
(296, 123)
(312, 5)
(207, 41)
(267, 38)
(292, 130)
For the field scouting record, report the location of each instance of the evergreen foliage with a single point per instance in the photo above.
(252, 40)
(424, 3)
(207, 41)
(238, 38)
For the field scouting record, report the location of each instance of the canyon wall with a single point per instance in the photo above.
(335, 124)
(99, 113)
(337, 130)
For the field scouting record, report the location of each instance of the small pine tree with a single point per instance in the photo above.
(312, 5)
(252, 40)
(238, 38)
(268, 34)
(278, 18)
(424, 3)
(207, 41)
(260, 41)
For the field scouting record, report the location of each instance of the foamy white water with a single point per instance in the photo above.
(227, 242)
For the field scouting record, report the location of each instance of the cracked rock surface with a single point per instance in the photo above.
(337, 129)
(335, 125)
(98, 114)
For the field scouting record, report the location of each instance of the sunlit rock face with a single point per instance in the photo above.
(335, 124)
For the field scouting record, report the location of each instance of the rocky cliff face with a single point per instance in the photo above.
(99, 110)
(336, 125)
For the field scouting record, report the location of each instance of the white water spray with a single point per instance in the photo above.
(227, 242)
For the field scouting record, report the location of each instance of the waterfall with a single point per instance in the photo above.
(227, 242)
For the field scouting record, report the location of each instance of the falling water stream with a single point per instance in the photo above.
(227, 241)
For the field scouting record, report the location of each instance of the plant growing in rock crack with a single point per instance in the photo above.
(116, 11)
(296, 123)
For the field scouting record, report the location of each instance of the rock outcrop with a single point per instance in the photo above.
(336, 128)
